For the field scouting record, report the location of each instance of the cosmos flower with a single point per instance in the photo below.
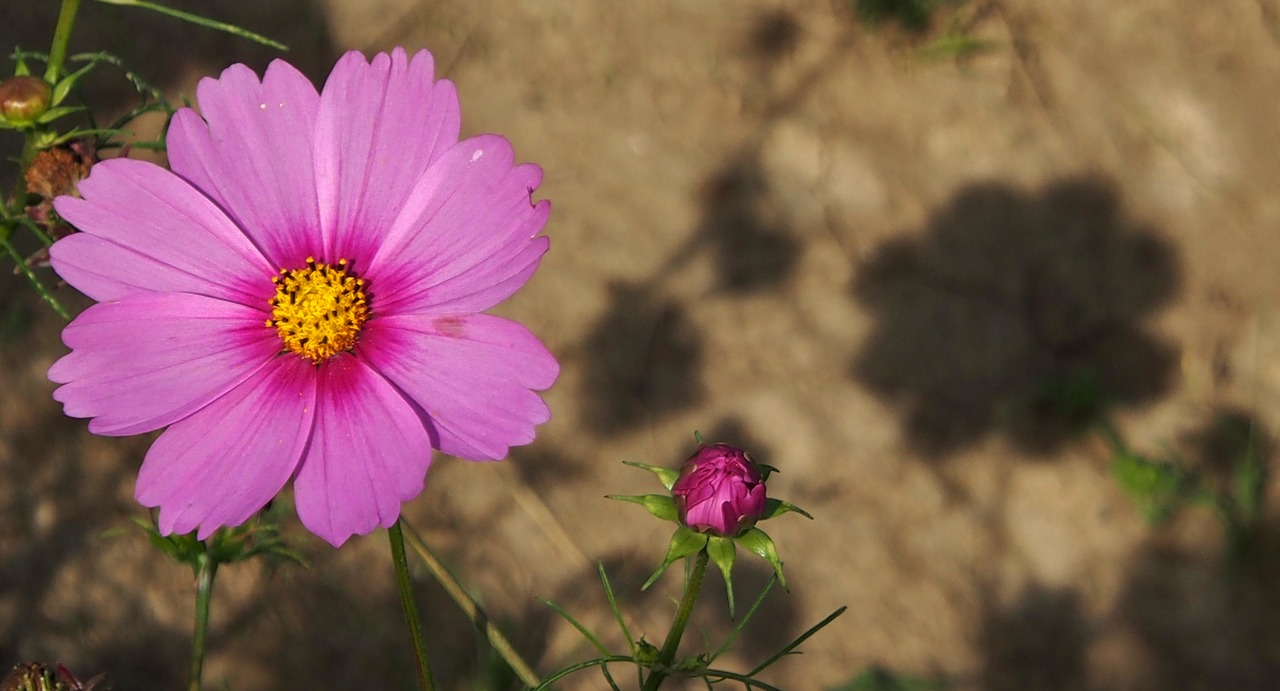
(301, 297)
(720, 491)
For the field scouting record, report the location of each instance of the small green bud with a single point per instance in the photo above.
(24, 98)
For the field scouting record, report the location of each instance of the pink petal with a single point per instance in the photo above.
(155, 358)
(369, 453)
(254, 157)
(145, 229)
(467, 237)
(379, 127)
(224, 463)
(471, 375)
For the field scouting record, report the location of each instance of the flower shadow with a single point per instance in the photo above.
(643, 361)
(1037, 642)
(1024, 313)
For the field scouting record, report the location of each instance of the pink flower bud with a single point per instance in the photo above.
(24, 98)
(719, 492)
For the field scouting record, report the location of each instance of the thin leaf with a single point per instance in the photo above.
(744, 679)
(63, 87)
(796, 643)
(587, 664)
(595, 642)
(604, 669)
(35, 281)
(202, 21)
(613, 605)
(742, 623)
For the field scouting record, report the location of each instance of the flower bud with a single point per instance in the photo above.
(720, 491)
(24, 98)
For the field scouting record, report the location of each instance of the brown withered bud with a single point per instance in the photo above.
(56, 171)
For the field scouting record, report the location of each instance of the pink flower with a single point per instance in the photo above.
(719, 491)
(301, 297)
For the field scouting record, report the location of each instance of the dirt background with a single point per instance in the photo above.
(863, 259)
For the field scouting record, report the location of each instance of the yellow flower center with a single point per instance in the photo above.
(318, 310)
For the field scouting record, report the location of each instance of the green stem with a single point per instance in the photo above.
(472, 609)
(31, 276)
(61, 37)
(396, 535)
(668, 653)
(206, 569)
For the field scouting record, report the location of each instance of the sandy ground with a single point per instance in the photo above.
(773, 225)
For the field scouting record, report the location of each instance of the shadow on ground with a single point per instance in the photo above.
(1017, 312)
(1186, 617)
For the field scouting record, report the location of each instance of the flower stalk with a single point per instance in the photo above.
(396, 535)
(61, 37)
(667, 655)
(472, 609)
(206, 569)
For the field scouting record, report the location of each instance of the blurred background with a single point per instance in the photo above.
(909, 253)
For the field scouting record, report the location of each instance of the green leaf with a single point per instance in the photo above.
(660, 505)
(666, 475)
(742, 623)
(721, 551)
(757, 541)
(591, 638)
(63, 87)
(613, 605)
(776, 507)
(683, 543)
(1156, 487)
(786, 650)
(201, 21)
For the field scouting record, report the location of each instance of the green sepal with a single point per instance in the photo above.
(683, 543)
(54, 113)
(776, 507)
(722, 552)
(660, 505)
(20, 69)
(666, 475)
(260, 536)
(757, 541)
(184, 549)
(64, 85)
(765, 469)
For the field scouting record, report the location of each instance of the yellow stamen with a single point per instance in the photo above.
(318, 310)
